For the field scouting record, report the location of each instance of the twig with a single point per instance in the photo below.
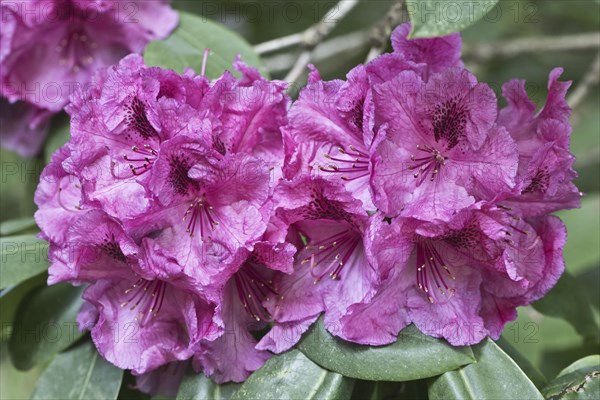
(381, 32)
(591, 77)
(279, 43)
(509, 48)
(328, 49)
(315, 34)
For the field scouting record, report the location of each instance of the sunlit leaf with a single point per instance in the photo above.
(441, 17)
(185, 47)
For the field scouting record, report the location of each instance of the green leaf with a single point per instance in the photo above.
(538, 379)
(20, 178)
(18, 225)
(185, 47)
(58, 135)
(567, 300)
(293, 376)
(583, 226)
(440, 17)
(21, 257)
(79, 373)
(196, 386)
(45, 324)
(580, 380)
(15, 384)
(494, 376)
(11, 298)
(412, 356)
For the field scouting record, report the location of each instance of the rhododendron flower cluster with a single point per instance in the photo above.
(199, 213)
(49, 47)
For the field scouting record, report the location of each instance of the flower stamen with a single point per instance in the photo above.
(428, 258)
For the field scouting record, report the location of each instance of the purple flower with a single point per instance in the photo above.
(545, 175)
(58, 197)
(50, 47)
(247, 115)
(330, 132)
(144, 323)
(460, 280)
(332, 271)
(233, 356)
(24, 127)
(118, 125)
(442, 151)
(140, 320)
(208, 207)
(145, 207)
(424, 56)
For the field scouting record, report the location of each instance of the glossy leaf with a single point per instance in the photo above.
(567, 300)
(185, 47)
(413, 356)
(293, 376)
(11, 298)
(494, 376)
(441, 17)
(21, 257)
(538, 379)
(196, 386)
(79, 373)
(580, 380)
(45, 324)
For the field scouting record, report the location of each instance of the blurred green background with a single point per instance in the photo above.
(550, 343)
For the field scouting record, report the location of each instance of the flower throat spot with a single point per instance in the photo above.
(137, 120)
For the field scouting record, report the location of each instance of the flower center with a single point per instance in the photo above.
(512, 228)
(110, 246)
(539, 183)
(354, 167)
(330, 255)
(358, 114)
(201, 214)
(178, 176)
(76, 50)
(146, 296)
(429, 164)
(253, 289)
(429, 266)
(143, 159)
